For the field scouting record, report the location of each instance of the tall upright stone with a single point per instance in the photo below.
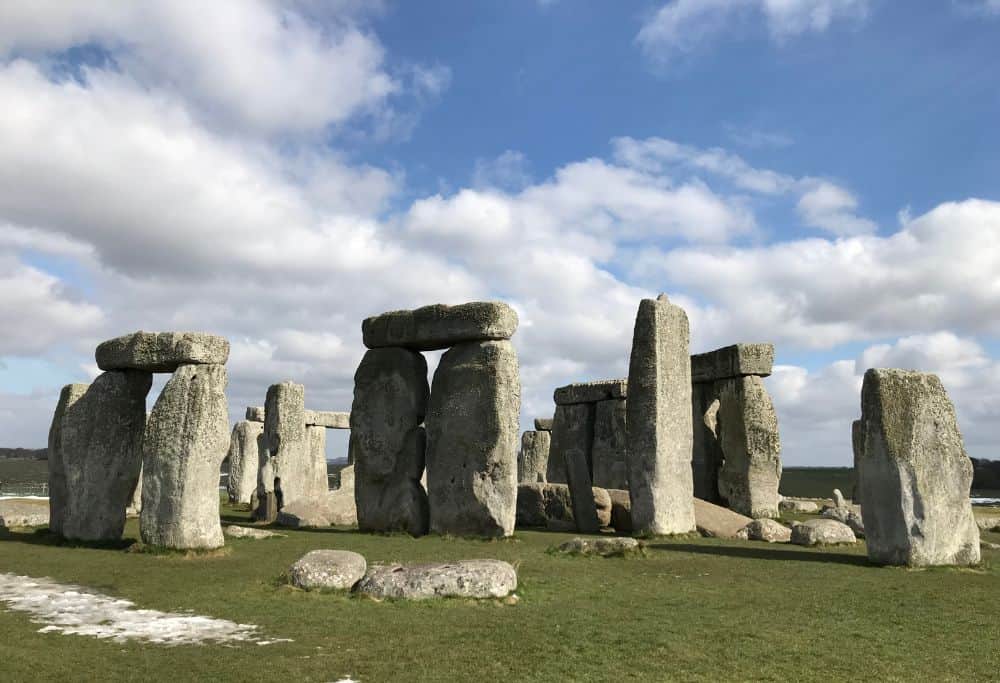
(101, 448)
(610, 444)
(58, 494)
(244, 459)
(533, 459)
(186, 440)
(316, 480)
(747, 428)
(857, 447)
(659, 420)
(388, 443)
(472, 434)
(915, 473)
(286, 447)
(572, 442)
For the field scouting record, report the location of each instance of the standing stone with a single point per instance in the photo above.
(58, 494)
(186, 441)
(858, 447)
(387, 444)
(747, 428)
(706, 458)
(915, 473)
(472, 431)
(244, 460)
(316, 479)
(285, 454)
(610, 444)
(659, 420)
(101, 448)
(572, 442)
(534, 457)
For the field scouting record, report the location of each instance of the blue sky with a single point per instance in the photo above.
(816, 173)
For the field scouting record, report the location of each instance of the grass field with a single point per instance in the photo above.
(692, 609)
(19, 471)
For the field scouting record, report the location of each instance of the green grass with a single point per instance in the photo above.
(692, 609)
(816, 482)
(21, 471)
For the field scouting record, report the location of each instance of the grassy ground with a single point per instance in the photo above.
(18, 471)
(693, 609)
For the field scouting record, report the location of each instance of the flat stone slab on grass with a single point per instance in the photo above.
(766, 530)
(737, 360)
(304, 514)
(23, 513)
(604, 547)
(794, 505)
(988, 523)
(462, 579)
(161, 351)
(822, 532)
(715, 521)
(328, 569)
(234, 531)
(591, 392)
(440, 326)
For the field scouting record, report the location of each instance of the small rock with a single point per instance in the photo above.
(848, 516)
(605, 547)
(462, 579)
(988, 523)
(234, 531)
(766, 530)
(336, 569)
(838, 499)
(822, 532)
(796, 505)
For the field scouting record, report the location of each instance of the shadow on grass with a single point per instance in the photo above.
(763, 553)
(45, 537)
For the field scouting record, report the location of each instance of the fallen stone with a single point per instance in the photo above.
(304, 513)
(440, 326)
(58, 493)
(388, 443)
(462, 579)
(244, 459)
(738, 360)
(161, 351)
(255, 414)
(572, 441)
(915, 473)
(609, 452)
(533, 460)
(659, 420)
(766, 530)
(603, 547)
(186, 440)
(328, 569)
(986, 545)
(822, 532)
(23, 513)
(799, 506)
(540, 503)
(328, 418)
(472, 434)
(591, 392)
(715, 521)
(234, 531)
(988, 523)
(543, 424)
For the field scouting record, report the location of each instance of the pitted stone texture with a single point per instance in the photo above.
(387, 442)
(472, 433)
(462, 579)
(543, 424)
(539, 504)
(249, 532)
(533, 459)
(796, 505)
(23, 513)
(316, 480)
(706, 454)
(603, 547)
(766, 530)
(715, 521)
(187, 438)
(101, 454)
(285, 448)
(609, 453)
(738, 360)
(255, 414)
(915, 473)
(572, 443)
(244, 459)
(305, 513)
(602, 505)
(58, 494)
(848, 516)
(328, 569)
(747, 429)
(440, 326)
(822, 532)
(988, 523)
(659, 420)
(161, 351)
(328, 418)
(591, 392)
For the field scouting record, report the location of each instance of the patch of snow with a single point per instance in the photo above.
(24, 497)
(73, 610)
(985, 501)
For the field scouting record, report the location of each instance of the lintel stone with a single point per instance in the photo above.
(591, 392)
(738, 360)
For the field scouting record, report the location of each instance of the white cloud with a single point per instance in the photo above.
(832, 208)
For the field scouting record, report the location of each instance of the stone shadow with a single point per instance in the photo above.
(45, 537)
(764, 553)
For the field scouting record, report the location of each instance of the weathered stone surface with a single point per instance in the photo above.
(838, 499)
(387, 442)
(621, 511)
(555, 468)
(533, 459)
(572, 443)
(58, 495)
(857, 446)
(100, 450)
(766, 530)
(255, 413)
(591, 392)
(822, 532)
(715, 521)
(738, 360)
(604, 547)
(440, 326)
(161, 351)
(244, 459)
(304, 513)
(186, 440)
(988, 523)
(284, 453)
(602, 505)
(461, 579)
(543, 424)
(540, 503)
(848, 516)
(472, 432)
(915, 473)
(797, 505)
(609, 453)
(316, 480)
(135, 500)
(234, 531)
(706, 454)
(327, 569)
(23, 513)
(747, 429)
(659, 420)
(328, 418)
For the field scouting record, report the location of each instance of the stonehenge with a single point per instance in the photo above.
(243, 460)
(915, 475)
(533, 459)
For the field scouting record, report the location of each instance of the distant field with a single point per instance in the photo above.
(17, 471)
(816, 482)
